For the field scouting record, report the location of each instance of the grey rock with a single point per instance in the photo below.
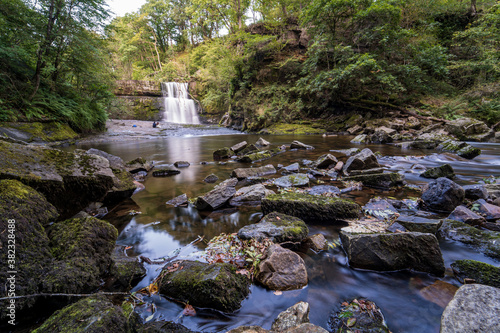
(417, 145)
(366, 172)
(324, 189)
(242, 173)
(465, 215)
(419, 224)
(444, 170)
(182, 164)
(250, 195)
(239, 147)
(262, 143)
(299, 145)
(347, 152)
(371, 321)
(362, 138)
(396, 227)
(178, 201)
(139, 164)
(292, 317)
(294, 180)
(489, 211)
(211, 179)
(222, 153)
(443, 195)
(249, 149)
(278, 227)
(218, 197)
(292, 168)
(316, 242)
(324, 161)
(477, 271)
(380, 208)
(462, 149)
(380, 180)
(474, 192)
(362, 161)
(165, 171)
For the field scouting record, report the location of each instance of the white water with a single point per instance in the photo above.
(178, 107)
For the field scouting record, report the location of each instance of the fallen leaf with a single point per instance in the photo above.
(189, 311)
(150, 317)
(345, 304)
(278, 292)
(351, 322)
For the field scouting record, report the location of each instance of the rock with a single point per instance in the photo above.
(465, 128)
(242, 173)
(218, 197)
(338, 167)
(91, 314)
(487, 242)
(489, 211)
(475, 308)
(260, 156)
(292, 168)
(417, 145)
(396, 228)
(299, 145)
(164, 327)
(211, 179)
(278, 227)
(239, 147)
(474, 192)
(324, 189)
(419, 224)
(413, 123)
(443, 195)
(440, 293)
(444, 170)
(368, 319)
(355, 130)
(382, 135)
(291, 317)
(250, 195)
(362, 138)
(182, 164)
(380, 208)
(362, 161)
(465, 215)
(324, 161)
(316, 242)
(262, 143)
(366, 172)
(223, 153)
(178, 201)
(381, 180)
(477, 271)
(311, 208)
(281, 269)
(347, 152)
(126, 271)
(390, 252)
(248, 329)
(294, 180)
(493, 190)
(462, 149)
(249, 149)
(216, 286)
(139, 164)
(165, 171)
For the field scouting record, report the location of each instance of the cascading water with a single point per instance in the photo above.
(179, 108)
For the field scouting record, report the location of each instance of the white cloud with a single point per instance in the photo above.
(122, 7)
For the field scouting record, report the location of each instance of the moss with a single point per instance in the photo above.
(139, 160)
(444, 170)
(260, 156)
(299, 129)
(223, 153)
(478, 271)
(48, 132)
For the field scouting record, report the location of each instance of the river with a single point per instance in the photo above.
(161, 229)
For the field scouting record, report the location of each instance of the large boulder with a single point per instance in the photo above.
(477, 271)
(390, 252)
(311, 208)
(362, 161)
(281, 269)
(216, 286)
(443, 195)
(278, 227)
(250, 195)
(358, 316)
(218, 197)
(242, 173)
(475, 308)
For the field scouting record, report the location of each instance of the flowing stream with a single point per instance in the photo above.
(161, 229)
(178, 107)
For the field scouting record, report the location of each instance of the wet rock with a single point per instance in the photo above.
(299, 145)
(139, 164)
(465, 128)
(443, 195)
(347, 152)
(419, 224)
(242, 173)
(282, 269)
(396, 228)
(382, 135)
(324, 190)
(462, 149)
(218, 197)
(165, 171)
(216, 286)
(223, 153)
(366, 172)
(475, 308)
(249, 149)
(362, 161)
(474, 192)
(115, 162)
(178, 201)
(396, 251)
(182, 164)
(250, 195)
(291, 317)
(484, 241)
(92, 314)
(126, 271)
(465, 215)
(252, 181)
(493, 190)
(294, 180)
(278, 227)
(358, 316)
(163, 327)
(311, 208)
(248, 329)
(211, 179)
(381, 180)
(324, 161)
(306, 163)
(292, 168)
(476, 271)
(262, 143)
(417, 145)
(489, 211)
(316, 242)
(444, 170)
(338, 167)
(260, 156)
(440, 293)
(362, 138)
(239, 147)
(355, 130)
(380, 208)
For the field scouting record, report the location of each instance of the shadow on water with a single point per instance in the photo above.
(160, 229)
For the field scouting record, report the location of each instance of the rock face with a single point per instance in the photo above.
(250, 195)
(362, 161)
(443, 195)
(137, 88)
(218, 197)
(215, 286)
(444, 170)
(311, 208)
(359, 316)
(242, 173)
(282, 269)
(92, 314)
(477, 271)
(278, 227)
(389, 252)
(475, 308)
(294, 180)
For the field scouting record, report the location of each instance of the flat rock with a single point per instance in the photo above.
(347, 152)
(182, 164)
(218, 197)
(489, 211)
(260, 156)
(250, 195)
(178, 201)
(293, 180)
(324, 190)
(242, 173)
(465, 215)
(419, 224)
(239, 146)
(417, 145)
(380, 180)
(380, 208)
(362, 138)
(278, 227)
(165, 171)
(299, 145)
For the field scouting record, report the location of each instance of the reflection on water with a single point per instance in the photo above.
(162, 229)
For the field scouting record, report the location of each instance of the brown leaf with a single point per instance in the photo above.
(189, 311)
(278, 292)
(345, 304)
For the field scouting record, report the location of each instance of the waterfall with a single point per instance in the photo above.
(179, 108)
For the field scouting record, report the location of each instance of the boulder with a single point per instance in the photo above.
(466, 128)
(324, 190)
(211, 179)
(89, 315)
(216, 286)
(475, 308)
(465, 215)
(262, 143)
(380, 180)
(362, 138)
(419, 224)
(178, 201)
(223, 153)
(347, 152)
(165, 171)
(250, 195)
(278, 227)
(242, 173)
(218, 197)
(476, 271)
(294, 180)
(444, 170)
(299, 145)
(462, 149)
(382, 135)
(126, 271)
(292, 168)
(281, 269)
(359, 316)
(182, 164)
(396, 251)
(324, 161)
(489, 211)
(362, 161)
(291, 317)
(260, 156)
(443, 195)
(139, 164)
(248, 150)
(311, 208)
(239, 147)
(316, 242)
(474, 192)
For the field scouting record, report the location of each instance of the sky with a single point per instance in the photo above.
(121, 7)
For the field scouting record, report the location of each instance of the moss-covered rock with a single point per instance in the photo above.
(311, 208)
(251, 148)
(358, 316)
(417, 145)
(380, 180)
(298, 129)
(278, 227)
(223, 153)
(462, 149)
(478, 271)
(94, 314)
(293, 180)
(260, 156)
(126, 271)
(215, 286)
(444, 170)
(465, 128)
(38, 132)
